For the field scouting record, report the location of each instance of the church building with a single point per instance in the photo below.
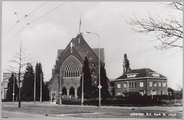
(67, 70)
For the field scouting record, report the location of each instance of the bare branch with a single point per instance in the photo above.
(169, 31)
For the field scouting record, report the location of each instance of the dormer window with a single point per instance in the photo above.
(129, 75)
(155, 74)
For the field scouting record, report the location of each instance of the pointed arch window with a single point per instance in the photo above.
(71, 69)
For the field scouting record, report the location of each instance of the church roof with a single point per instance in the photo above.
(59, 52)
(102, 58)
(144, 72)
(83, 48)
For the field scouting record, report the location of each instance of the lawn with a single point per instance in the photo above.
(95, 112)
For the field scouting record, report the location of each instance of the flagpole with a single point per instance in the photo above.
(80, 24)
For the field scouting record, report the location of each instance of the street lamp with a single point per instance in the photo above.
(99, 86)
(82, 95)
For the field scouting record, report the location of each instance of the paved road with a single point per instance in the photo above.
(8, 114)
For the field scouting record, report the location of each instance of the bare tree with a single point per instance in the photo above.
(20, 59)
(168, 31)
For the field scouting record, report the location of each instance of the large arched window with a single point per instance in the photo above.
(71, 70)
(71, 67)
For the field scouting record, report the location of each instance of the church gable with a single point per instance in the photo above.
(80, 46)
(66, 53)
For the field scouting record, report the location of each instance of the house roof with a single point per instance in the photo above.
(144, 72)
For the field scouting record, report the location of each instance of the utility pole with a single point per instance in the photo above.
(19, 90)
(40, 87)
(35, 86)
(13, 87)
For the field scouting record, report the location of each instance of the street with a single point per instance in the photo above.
(48, 110)
(7, 114)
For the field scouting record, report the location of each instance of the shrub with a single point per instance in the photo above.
(71, 101)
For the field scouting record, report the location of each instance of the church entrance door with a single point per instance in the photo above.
(72, 92)
(64, 92)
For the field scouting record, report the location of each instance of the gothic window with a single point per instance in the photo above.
(71, 70)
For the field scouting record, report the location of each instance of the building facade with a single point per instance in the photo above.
(145, 81)
(67, 70)
(4, 84)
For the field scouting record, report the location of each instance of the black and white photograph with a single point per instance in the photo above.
(91, 59)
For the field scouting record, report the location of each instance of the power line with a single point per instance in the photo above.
(25, 15)
(38, 8)
(15, 35)
(14, 11)
(10, 29)
(86, 24)
(48, 12)
(34, 21)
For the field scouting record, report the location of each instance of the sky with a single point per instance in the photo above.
(50, 26)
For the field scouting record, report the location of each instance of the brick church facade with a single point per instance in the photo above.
(67, 70)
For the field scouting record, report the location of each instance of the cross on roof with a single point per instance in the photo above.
(71, 45)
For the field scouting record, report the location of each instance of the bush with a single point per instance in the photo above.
(91, 102)
(71, 101)
(121, 101)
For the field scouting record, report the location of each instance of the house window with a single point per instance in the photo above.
(150, 84)
(130, 85)
(141, 84)
(155, 84)
(129, 75)
(164, 84)
(155, 75)
(159, 84)
(125, 85)
(118, 85)
(153, 92)
(119, 93)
